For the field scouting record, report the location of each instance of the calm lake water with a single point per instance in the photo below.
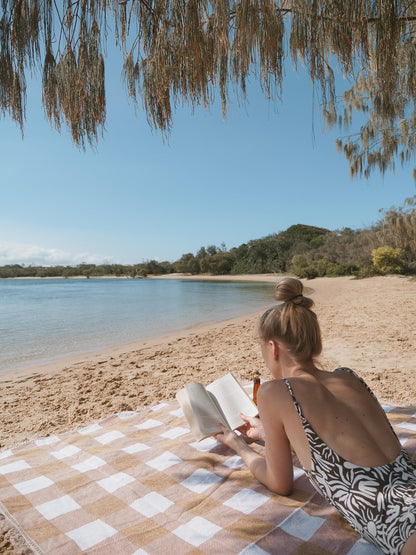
(44, 320)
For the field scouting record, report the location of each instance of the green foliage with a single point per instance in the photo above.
(304, 268)
(211, 250)
(187, 264)
(202, 253)
(301, 233)
(87, 270)
(389, 246)
(219, 263)
(317, 242)
(398, 229)
(387, 260)
(274, 253)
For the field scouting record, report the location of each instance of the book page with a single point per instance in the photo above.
(200, 410)
(233, 399)
(185, 404)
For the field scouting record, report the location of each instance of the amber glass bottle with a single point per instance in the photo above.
(256, 385)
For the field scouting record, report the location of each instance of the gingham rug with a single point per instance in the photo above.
(138, 483)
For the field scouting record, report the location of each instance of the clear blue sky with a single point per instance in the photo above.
(137, 197)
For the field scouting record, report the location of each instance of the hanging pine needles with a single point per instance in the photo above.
(185, 51)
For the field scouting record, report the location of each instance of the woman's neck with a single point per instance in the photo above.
(292, 367)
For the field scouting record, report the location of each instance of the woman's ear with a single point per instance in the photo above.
(275, 348)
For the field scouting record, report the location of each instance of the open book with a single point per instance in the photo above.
(221, 401)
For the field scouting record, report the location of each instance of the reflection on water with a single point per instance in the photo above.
(42, 320)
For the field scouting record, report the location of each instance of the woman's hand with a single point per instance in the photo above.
(229, 438)
(253, 428)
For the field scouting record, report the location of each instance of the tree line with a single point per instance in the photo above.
(387, 247)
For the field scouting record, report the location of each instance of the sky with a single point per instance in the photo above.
(137, 197)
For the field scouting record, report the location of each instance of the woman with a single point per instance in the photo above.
(334, 424)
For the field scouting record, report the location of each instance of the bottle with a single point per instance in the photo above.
(256, 385)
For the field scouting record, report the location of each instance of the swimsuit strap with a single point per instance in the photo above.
(295, 402)
(345, 369)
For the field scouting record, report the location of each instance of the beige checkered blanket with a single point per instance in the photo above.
(137, 483)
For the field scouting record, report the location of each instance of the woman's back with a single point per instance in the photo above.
(345, 415)
(355, 458)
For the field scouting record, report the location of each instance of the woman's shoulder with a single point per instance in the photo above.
(274, 390)
(273, 386)
(351, 376)
(274, 400)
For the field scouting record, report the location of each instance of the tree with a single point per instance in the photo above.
(219, 263)
(179, 51)
(211, 250)
(398, 229)
(202, 253)
(263, 254)
(187, 264)
(155, 267)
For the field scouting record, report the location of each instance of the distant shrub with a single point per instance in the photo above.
(387, 260)
(333, 269)
(411, 267)
(298, 264)
(365, 271)
(304, 268)
(310, 272)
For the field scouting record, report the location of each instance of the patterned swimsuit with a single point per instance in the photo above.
(378, 502)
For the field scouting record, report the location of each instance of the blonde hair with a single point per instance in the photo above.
(292, 321)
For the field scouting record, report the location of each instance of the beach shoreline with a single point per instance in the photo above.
(96, 356)
(367, 325)
(107, 351)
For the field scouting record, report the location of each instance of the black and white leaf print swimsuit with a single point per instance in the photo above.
(378, 502)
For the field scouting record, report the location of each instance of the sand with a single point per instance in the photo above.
(368, 325)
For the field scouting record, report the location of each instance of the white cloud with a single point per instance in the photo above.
(20, 253)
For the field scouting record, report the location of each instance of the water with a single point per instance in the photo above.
(44, 320)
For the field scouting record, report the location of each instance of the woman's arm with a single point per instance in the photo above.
(275, 470)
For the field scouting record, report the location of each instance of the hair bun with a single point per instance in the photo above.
(290, 290)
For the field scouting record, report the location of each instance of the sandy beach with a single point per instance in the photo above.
(368, 325)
